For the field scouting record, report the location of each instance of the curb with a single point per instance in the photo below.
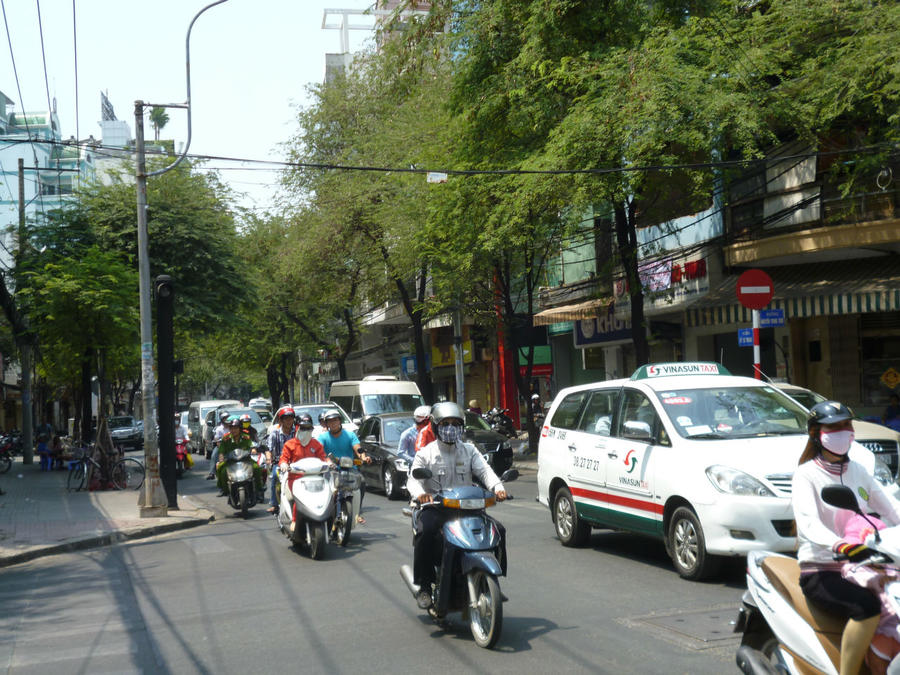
(204, 517)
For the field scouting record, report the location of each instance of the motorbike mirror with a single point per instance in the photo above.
(840, 496)
(421, 473)
(509, 475)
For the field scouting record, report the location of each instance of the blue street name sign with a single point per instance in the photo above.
(769, 318)
(745, 337)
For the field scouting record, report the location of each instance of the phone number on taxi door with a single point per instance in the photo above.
(586, 463)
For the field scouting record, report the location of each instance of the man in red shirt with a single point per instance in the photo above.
(300, 446)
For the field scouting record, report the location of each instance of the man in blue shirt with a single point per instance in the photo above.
(338, 442)
(407, 447)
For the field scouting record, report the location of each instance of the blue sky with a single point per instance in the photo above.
(250, 63)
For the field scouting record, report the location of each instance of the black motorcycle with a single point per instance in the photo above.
(473, 557)
(500, 422)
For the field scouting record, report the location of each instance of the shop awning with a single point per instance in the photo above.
(582, 310)
(821, 289)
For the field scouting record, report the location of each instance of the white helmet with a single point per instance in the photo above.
(422, 413)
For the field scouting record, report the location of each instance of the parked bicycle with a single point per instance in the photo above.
(123, 474)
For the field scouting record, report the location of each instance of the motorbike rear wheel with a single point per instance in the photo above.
(344, 525)
(179, 468)
(486, 619)
(243, 504)
(315, 540)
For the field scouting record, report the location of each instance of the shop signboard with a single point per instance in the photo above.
(443, 355)
(601, 331)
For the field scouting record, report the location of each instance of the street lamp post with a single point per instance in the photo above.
(153, 500)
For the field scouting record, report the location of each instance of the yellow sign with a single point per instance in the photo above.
(890, 378)
(443, 355)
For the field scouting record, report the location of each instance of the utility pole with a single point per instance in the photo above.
(23, 338)
(458, 349)
(152, 501)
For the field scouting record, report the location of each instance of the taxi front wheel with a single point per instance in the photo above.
(571, 530)
(687, 546)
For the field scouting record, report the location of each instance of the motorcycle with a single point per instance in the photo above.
(474, 556)
(500, 422)
(782, 632)
(311, 500)
(6, 459)
(346, 485)
(241, 488)
(183, 460)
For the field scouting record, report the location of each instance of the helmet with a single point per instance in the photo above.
(232, 420)
(331, 415)
(422, 413)
(445, 410)
(305, 422)
(828, 412)
(284, 410)
(322, 418)
(534, 396)
(245, 420)
(223, 416)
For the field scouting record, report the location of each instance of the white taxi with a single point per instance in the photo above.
(685, 452)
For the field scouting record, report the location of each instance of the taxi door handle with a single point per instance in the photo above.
(612, 454)
(572, 448)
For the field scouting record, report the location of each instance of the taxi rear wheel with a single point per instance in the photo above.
(687, 546)
(571, 530)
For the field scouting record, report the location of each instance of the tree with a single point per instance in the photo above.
(158, 118)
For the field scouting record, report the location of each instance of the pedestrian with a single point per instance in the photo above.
(475, 407)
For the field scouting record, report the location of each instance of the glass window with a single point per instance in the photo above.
(394, 427)
(373, 404)
(637, 408)
(597, 415)
(566, 414)
(733, 412)
(365, 429)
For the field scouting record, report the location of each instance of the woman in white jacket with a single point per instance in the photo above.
(819, 527)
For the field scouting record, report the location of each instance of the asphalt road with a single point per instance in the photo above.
(234, 597)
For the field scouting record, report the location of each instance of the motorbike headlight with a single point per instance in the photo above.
(506, 446)
(883, 473)
(734, 482)
(401, 464)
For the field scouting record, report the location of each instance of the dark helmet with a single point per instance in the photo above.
(305, 422)
(332, 415)
(446, 410)
(828, 412)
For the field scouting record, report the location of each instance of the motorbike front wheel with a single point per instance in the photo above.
(5, 463)
(179, 468)
(315, 539)
(486, 618)
(243, 503)
(343, 525)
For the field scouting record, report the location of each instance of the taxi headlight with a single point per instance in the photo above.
(735, 482)
(882, 473)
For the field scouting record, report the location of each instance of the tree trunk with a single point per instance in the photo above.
(85, 434)
(626, 241)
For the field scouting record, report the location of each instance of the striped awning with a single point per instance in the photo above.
(842, 287)
(582, 310)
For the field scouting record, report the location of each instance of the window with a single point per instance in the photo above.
(637, 408)
(365, 429)
(597, 415)
(394, 427)
(566, 414)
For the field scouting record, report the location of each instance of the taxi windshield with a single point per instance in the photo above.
(732, 412)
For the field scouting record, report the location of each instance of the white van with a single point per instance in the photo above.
(685, 452)
(375, 394)
(196, 420)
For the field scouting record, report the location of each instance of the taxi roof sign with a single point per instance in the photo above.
(652, 370)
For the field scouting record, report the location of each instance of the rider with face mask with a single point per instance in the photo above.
(825, 461)
(452, 462)
(300, 446)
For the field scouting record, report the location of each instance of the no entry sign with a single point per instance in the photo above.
(754, 289)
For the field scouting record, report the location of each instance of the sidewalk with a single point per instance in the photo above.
(522, 459)
(39, 517)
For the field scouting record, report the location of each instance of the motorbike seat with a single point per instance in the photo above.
(784, 573)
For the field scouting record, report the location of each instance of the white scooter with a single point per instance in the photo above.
(782, 631)
(326, 498)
